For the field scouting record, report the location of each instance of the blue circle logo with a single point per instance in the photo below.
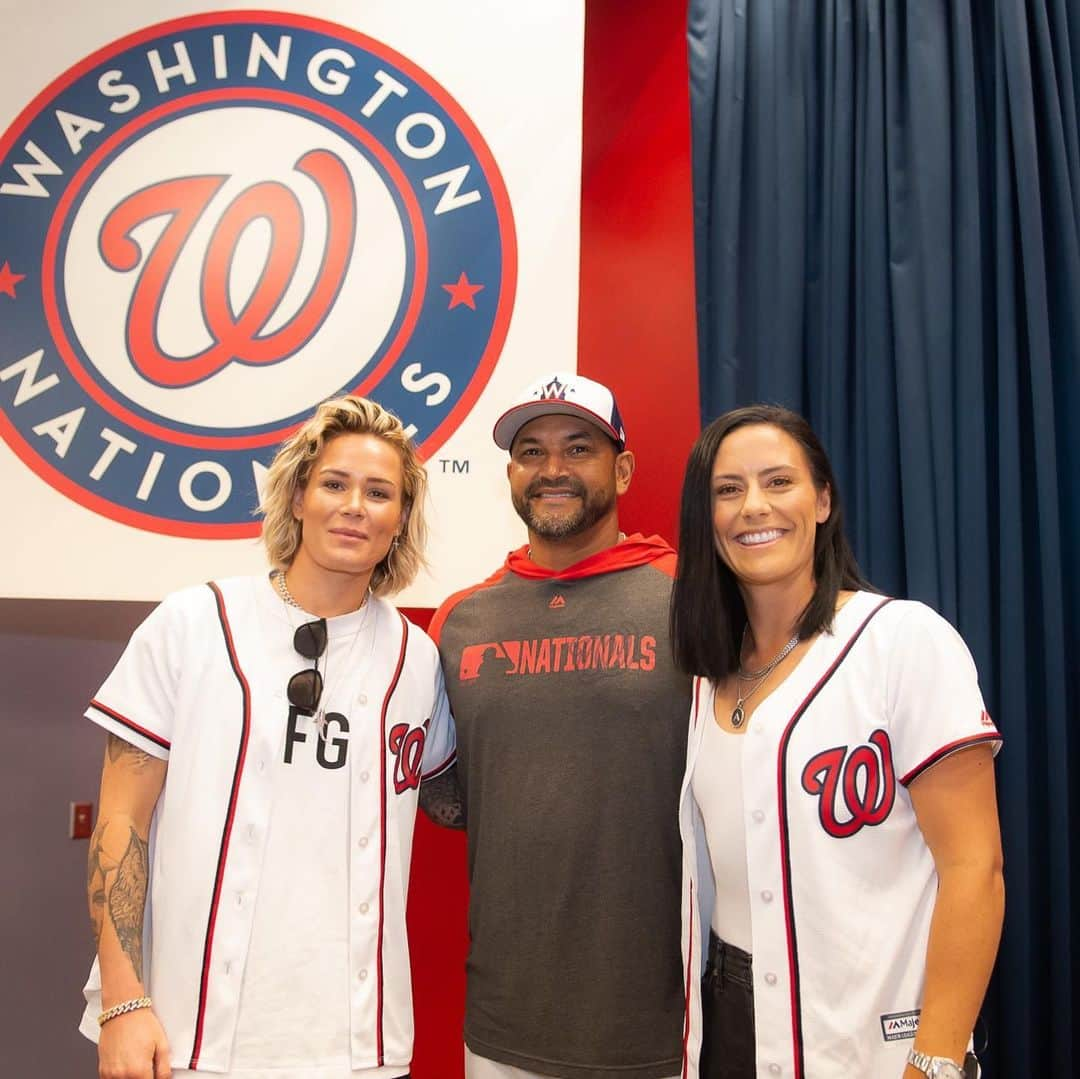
(216, 223)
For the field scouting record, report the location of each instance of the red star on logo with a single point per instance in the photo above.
(462, 292)
(9, 279)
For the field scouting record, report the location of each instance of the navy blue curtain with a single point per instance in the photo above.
(887, 203)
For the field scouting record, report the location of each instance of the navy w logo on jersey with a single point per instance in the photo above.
(855, 789)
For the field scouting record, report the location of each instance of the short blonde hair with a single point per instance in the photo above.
(291, 468)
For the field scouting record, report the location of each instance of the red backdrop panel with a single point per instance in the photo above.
(636, 333)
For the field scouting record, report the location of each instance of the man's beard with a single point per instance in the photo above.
(594, 507)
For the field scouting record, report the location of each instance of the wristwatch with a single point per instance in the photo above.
(935, 1067)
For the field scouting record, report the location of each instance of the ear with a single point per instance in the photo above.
(297, 503)
(824, 505)
(509, 467)
(624, 471)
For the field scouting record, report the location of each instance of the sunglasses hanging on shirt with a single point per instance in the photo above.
(305, 687)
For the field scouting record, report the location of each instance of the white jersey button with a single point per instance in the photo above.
(362, 699)
(364, 777)
(774, 1069)
(766, 896)
(363, 908)
(362, 842)
(770, 978)
(362, 975)
(758, 815)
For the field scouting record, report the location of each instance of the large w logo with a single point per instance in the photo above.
(855, 789)
(235, 334)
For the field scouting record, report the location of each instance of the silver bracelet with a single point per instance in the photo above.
(123, 1009)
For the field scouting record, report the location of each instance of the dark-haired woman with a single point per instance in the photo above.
(842, 861)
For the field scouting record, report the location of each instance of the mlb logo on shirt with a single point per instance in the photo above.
(899, 1025)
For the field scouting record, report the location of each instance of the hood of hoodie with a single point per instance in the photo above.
(635, 550)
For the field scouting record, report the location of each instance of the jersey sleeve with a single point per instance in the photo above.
(933, 696)
(440, 745)
(137, 700)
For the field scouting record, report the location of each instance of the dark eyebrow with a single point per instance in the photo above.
(763, 472)
(348, 475)
(583, 434)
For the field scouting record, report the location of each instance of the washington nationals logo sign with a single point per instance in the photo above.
(855, 789)
(210, 226)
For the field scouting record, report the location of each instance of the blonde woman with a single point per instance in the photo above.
(267, 737)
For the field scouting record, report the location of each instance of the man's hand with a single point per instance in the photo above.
(134, 1046)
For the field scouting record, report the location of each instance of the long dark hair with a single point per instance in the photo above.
(707, 609)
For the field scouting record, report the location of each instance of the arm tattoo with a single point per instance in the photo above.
(135, 758)
(95, 880)
(441, 800)
(127, 898)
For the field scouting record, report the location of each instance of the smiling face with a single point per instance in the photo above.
(766, 508)
(351, 507)
(565, 476)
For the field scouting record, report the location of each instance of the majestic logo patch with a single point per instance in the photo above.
(557, 601)
(899, 1025)
(235, 217)
(854, 789)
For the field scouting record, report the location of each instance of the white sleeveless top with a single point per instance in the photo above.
(717, 786)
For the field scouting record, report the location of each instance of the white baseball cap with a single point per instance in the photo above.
(563, 393)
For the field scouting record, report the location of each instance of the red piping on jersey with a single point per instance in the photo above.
(952, 747)
(223, 851)
(131, 724)
(785, 859)
(689, 968)
(382, 838)
(695, 711)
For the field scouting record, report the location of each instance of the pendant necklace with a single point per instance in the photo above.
(738, 715)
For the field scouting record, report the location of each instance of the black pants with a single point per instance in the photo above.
(727, 1011)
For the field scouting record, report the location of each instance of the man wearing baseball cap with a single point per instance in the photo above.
(571, 726)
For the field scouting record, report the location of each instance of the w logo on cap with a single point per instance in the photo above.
(553, 391)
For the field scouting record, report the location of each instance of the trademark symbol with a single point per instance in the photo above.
(454, 466)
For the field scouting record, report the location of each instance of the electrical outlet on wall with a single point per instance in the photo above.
(82, 820)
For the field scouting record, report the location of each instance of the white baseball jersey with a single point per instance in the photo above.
(842, 883)
(198, 686)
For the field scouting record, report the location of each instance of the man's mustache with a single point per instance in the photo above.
(575, 487)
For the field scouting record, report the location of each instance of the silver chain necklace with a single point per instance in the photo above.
(283, 588)
(738, 715)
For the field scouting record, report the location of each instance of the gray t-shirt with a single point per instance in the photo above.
(571, 726)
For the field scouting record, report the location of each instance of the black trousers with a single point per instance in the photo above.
(727, 1012)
